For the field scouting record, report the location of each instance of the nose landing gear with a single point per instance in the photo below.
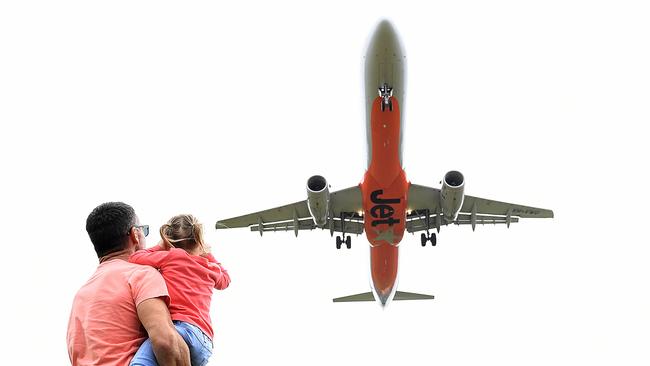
(386, 94)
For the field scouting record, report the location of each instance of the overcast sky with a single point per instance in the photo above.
(225, 108)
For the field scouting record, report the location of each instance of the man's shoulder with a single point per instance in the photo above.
(125, 266)
(130, 270)
(117, 278)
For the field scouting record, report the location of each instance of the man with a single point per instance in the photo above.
(121, 300)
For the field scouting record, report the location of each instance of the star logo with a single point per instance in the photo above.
(386, 235)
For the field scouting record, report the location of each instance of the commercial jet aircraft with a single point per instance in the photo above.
(385, 203)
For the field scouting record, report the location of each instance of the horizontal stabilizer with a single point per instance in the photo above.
(366, 296)
(399, 295)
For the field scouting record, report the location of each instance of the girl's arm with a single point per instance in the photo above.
(154, 257)
(221, 276)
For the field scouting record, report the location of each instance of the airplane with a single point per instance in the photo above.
(385, 204)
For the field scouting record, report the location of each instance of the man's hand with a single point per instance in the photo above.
(168, 346)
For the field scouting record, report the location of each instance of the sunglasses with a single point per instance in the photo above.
(144, 228)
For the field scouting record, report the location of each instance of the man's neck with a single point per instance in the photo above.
(122, 254)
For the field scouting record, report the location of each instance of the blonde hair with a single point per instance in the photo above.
(182, 231)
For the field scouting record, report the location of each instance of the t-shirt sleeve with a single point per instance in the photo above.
(147, 283)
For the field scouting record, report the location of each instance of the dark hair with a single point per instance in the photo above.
(108, 225)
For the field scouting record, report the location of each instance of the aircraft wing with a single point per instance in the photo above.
(296, 216)
(424, 203)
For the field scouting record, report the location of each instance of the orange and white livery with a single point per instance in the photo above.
(385, 204)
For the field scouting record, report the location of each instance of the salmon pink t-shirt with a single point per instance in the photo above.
(190, 280)
(104, 328)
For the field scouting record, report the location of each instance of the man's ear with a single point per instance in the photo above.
(134, 238)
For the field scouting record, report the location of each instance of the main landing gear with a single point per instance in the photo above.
(424, 238)
(339, 239)
(347, 241)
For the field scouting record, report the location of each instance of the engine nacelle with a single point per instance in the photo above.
(452, 194)
(318, 199)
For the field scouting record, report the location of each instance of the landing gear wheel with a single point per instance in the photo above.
(348, 242)
(423, 239)
(433, 239)
(338, 242)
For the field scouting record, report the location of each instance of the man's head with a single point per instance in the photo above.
(112, 228)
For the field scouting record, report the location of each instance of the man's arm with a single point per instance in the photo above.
(168, 346)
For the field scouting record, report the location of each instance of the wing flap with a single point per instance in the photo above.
(277, 214)
(491, 207)
(303, 224)
(344, 201)
(351, 227)
(423, 198)
(419, 223)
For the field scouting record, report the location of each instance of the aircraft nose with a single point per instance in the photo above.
(385, 27)
(384, 38)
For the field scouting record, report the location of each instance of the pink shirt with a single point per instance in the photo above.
(104, 328)
(190, 280)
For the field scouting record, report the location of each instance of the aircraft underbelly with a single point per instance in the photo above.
(383, 268)
(384, 192)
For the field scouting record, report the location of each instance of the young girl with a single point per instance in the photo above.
(191, 273)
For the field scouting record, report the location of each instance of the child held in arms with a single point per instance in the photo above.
(191, 273)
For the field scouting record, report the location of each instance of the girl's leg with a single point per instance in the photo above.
(144, 356)
(200, 345)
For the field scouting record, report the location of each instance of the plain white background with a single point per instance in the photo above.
(224, 108)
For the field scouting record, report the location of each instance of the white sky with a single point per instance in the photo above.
(220, 109)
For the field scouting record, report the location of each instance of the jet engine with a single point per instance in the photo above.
(318, 199)
(452, 194)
